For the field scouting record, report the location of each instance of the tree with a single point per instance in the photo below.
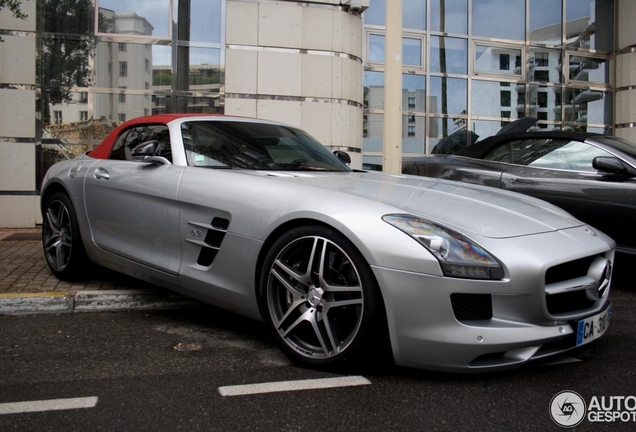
(14, 7)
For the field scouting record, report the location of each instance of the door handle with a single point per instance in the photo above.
(515, 180)
(101, 174)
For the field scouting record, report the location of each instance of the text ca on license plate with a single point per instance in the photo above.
(592, 327)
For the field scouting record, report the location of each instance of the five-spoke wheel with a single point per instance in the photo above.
(318, 294)
(63, 247)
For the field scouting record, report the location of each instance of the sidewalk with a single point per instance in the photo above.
(27, 286)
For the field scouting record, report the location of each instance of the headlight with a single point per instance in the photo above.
(459, 256)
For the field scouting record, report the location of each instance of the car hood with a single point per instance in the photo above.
(481, 210)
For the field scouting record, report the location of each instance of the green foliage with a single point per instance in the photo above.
(14, 7)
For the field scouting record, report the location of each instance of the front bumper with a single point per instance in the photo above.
(517, 322)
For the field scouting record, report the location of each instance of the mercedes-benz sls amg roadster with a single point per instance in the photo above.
(259, 218)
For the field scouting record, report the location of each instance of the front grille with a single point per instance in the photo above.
(568, 302)
(568, 270)
(472, 307)
(574, 298)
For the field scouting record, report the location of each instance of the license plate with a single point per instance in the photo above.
(592, 328)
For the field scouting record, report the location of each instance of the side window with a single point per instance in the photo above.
(127, 141)
(556, 154)
(500, 153)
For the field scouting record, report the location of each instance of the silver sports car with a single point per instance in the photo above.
(259, 218)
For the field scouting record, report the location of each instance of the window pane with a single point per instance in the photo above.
(372, 125)
(588, 106)
(489, 98)
(110, 112)
(544, 65)
(124, 69)
(500, 19)
(589, 69)
(376, 12)
(376, 48)
(590, 24)
(373, 90)
(205, 21)
(71, 17)
(450, 16)
(412, 51)
(135, 17)
(498, 60)
(203, 70)
(545, 21)
(414, 134)
(448, 95)
(414, 14)
(64, 64)
(449, 55)
(413, 92)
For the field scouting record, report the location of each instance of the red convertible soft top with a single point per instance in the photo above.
(102, 151)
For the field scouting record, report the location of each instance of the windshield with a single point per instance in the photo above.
(619, 144)
(247, 145)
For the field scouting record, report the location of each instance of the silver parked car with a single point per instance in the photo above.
(259, 218)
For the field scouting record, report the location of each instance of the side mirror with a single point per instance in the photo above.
(343, 156)
(609, 165)
(149, 151)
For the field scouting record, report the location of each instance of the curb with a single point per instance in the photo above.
(91, 301)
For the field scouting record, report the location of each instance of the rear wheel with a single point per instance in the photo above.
(319, 296)
(61, 238)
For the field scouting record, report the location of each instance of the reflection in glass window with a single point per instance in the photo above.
(499, 19)
(488, 98)
(448, 95)
(544, 65)
(414, 134)
(70, 17)
(590, 24)
(374, 90)
(449, 55)
(135, 17)
(205, 21)
(376, 48)
(372, 125)
(106, 108)
(376, 12)
(589, 69)
(205, 72)
(587, 106)
(545, 21)
(449, 16)
(413, 87)
(412, 51)
(495, 59)
(414, 14)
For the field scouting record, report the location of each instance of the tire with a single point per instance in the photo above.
(320, 314)
(61, 239)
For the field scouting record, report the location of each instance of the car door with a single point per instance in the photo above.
(132, 206)
(560, 171)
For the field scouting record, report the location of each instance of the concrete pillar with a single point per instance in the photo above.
(392, 132)
(301, 64)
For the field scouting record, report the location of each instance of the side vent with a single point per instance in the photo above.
(211, 245)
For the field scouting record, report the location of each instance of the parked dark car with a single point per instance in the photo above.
(591, 176)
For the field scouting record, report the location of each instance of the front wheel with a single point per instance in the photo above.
(319, 296)
(61, 239)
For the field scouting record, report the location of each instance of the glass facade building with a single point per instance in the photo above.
(470, 67)
(75, 69)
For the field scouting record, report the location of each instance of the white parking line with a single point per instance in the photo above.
(47, 405)
(283, 386)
